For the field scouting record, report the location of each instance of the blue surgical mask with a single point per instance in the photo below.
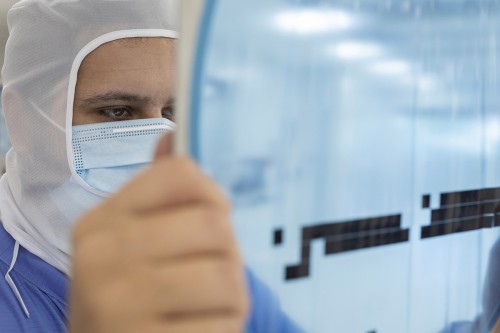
(108, 155)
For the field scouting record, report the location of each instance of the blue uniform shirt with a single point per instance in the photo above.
(44, 290)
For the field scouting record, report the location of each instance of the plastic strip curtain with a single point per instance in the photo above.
(360, 144)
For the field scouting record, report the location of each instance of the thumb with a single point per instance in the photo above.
(164, 146)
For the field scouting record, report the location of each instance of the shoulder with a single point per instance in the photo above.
(46, 313)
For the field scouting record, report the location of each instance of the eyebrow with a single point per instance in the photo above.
(119, 96)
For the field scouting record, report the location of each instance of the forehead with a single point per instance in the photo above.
(132, 64)
(130, 54)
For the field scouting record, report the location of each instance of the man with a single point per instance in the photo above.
(88, 90)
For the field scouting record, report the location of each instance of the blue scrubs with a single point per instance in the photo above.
(44, 290)
(486, 321)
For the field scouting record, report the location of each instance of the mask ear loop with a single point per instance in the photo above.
(11, 283)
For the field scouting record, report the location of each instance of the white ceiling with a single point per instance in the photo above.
(4, 32)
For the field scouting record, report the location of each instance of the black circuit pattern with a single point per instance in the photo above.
(458, 212)
(464, 211)
(348, 236)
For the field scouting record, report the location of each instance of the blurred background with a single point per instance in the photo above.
(360, 143)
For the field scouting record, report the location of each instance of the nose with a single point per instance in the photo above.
(154, 112)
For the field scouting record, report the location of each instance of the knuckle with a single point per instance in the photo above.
(128, 237)
(96, 251)
(236, 286)
(186, 165)
(207, 214)
(96, 244)
(229, 274)
(217, 224)
(225, 271)
(107, 303)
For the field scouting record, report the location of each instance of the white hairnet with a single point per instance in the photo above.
(39, 197)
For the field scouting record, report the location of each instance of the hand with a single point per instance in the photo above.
(159, 256)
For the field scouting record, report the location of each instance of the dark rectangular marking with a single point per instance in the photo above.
(305, 252)
(296, 272)
(278, 237)
(426, 201)
(372, 240)
(347, 233)
(456, 198)
(339, 228)
(462, 211)
(447, 228)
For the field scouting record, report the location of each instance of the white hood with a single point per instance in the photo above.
(39, 197)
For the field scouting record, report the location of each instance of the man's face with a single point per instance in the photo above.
(125, 80)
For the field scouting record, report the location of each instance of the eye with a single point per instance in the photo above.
(168, 113)
(118, 113)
